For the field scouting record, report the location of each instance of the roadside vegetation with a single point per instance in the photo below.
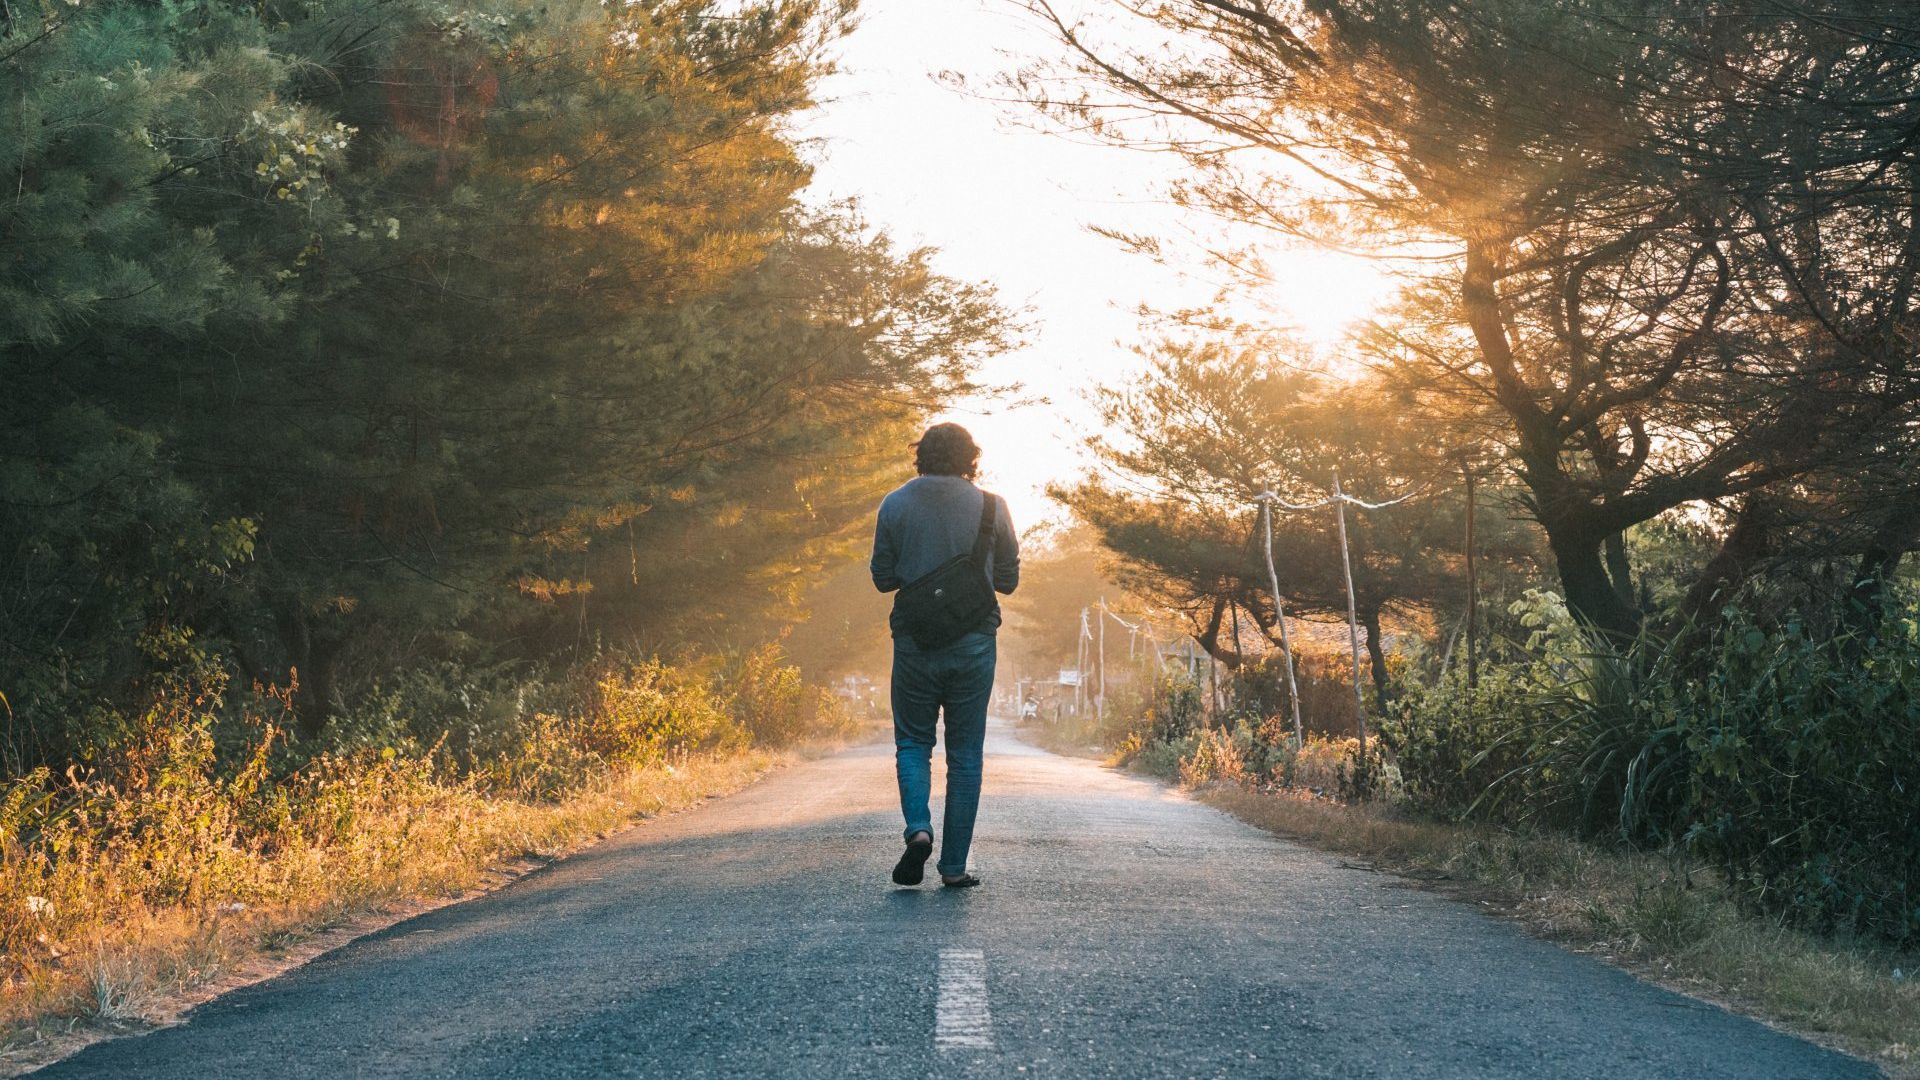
(206, 836)
(424, 427)
(1613, 504)
(1656, 913)
(1739, 837)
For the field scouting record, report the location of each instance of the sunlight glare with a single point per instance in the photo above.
(1321, 296)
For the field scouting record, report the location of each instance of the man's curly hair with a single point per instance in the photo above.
(946, 450)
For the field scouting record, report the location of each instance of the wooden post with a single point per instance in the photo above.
(1280, 615)
(1473, 589)
(1353, 626)
(1227, 694)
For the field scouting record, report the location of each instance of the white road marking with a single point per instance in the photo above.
(961, 1018)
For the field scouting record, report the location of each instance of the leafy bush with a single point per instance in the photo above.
(776, 706)
(1564, 732)
(1805, 782)
(1216, 755)
(1322, 766)
(550, 759)
(1176, 710)
(1167, 734)
(1155, 758)
(1454, 745)
(1597, 750)
(164, 824)
(1258, 757)
(1325, 683)
(1150, 730)
(647, 709)
(1784, 759)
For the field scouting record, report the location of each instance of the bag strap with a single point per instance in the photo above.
(984, 537)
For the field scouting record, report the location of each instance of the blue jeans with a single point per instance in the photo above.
(959, 679)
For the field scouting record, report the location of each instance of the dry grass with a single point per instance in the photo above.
(155, 872)
(1650, 913)
(108, 964)
(1070, 738)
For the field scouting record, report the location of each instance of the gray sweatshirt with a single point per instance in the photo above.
(930, 519)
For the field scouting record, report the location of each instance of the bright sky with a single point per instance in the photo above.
(1009, 204)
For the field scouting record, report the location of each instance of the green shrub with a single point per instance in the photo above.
(1152, 732)
(1176, 710)
(649, 709)
(1159, 758)
(1564, 732)
(1785, 760)
(1455, 746)
(1325, 684)
(1322, 766)
(1805, 779)
(550, 759)
(199, 813)
(1168, 735)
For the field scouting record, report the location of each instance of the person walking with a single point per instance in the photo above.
(945, 548)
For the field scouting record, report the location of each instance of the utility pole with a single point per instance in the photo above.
(1079, 664)
(1280, 616)
(1353, 626)
(1100, 702)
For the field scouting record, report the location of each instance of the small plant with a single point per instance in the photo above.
(1215, 756)
(1668, 918)
(116, 989)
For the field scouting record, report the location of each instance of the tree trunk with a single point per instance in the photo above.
(313, 655)
(1750, 540)
(1376, 657)
(1591, 596)
(1618, 568)
(1209, 637)
(1865, 607)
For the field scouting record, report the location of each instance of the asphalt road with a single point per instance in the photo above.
(1122, 931)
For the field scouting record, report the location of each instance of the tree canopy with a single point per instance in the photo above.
(1208, 428)
(337, 337)
(1653, 259)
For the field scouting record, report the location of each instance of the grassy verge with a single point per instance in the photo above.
(119, 964)
(1647, 912)
(1059, 739)
(198, 841)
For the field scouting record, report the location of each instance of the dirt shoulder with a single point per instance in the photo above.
(1651, 914)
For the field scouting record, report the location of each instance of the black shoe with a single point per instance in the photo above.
(912, 866)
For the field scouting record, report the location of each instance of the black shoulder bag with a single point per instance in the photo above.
(950, 601)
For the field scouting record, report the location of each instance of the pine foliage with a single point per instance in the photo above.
(342, 337)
